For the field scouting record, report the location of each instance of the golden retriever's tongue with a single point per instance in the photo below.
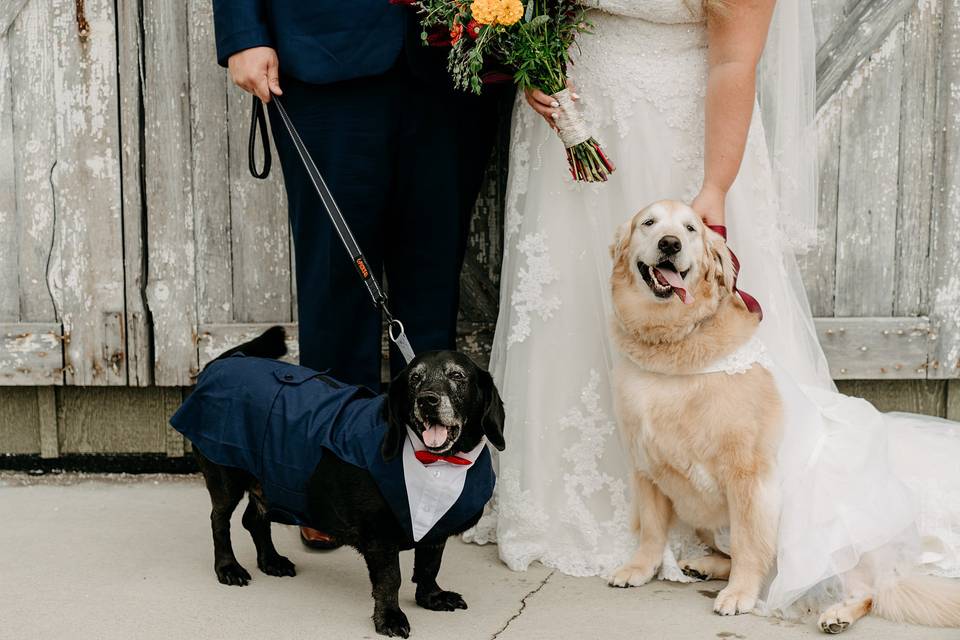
(435, 436)
(675, 281)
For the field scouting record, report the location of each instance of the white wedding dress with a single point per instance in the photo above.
(563, 492)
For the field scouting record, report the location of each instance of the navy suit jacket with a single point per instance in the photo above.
(277, 420)
(317, 41)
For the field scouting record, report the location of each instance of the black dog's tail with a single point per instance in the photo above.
(272, 343)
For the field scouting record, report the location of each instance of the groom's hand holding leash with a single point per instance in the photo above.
(256, 71)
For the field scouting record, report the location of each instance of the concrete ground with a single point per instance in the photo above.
(105, 557)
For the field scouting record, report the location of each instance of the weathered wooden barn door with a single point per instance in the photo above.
(216, 248)
(886, 278)
(61, 249)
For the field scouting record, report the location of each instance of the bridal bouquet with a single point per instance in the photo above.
(533, 42)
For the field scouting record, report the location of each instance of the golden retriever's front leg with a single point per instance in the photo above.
(653, 513)
(753, 543)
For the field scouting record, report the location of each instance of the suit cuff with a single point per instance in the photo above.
(240, 40)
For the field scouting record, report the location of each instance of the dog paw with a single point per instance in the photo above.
(834, 621)
(392, 623)
(441, 601)
(232, 574)
(691, 572)
(630, 575)
(277, 566)
(732, 601)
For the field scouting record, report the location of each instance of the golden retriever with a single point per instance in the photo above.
(704, 445)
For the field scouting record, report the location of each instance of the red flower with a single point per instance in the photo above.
(473, 29)
(456, 33)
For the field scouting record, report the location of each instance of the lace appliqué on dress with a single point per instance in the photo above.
(529, 296)
(585, 480)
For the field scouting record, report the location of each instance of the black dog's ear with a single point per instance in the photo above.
(493, 415)
(397, 410)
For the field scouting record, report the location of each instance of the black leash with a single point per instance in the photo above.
(394, 327)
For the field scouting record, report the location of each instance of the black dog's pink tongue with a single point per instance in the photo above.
(435, 435)
(675, 280)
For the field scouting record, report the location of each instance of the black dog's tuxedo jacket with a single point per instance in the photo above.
(276, 421)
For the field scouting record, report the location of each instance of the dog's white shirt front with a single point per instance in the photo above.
(432, 489)
(742, 360)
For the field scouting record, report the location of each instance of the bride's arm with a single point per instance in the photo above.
(735, 40)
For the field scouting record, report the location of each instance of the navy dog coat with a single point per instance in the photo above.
(277, 420)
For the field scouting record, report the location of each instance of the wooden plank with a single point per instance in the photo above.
(857, 348)
(113, 420)
(170, 400)
(818, 266)
(19, 422)
(171, 292)
(211, 178)
(9, 11)
(214, 339)
(866, 25)
(35, 155)
(945, 281)
(828, 15)
(927, 397)
(953, 400)
(47, 418)
(87, 265)
(129, 73)
(867, 201)
(9, 269)
(30, 354)
(875, 348)
(918, 137)
(259, 229)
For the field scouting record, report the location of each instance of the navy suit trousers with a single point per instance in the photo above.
(404, 159)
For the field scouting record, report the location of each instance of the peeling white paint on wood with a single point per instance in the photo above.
(35, 156)
(945, 303)
(259, 228)
(30, 354)
(171, 280)
(868, 188)
(87, 263)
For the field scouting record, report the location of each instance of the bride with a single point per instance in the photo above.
(669, 86)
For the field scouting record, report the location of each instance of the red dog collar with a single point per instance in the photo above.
(752, 305)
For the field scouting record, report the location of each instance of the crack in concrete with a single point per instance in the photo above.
(523, 605)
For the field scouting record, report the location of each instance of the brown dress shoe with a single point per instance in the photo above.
(317, 540)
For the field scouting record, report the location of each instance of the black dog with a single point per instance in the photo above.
(441, 394)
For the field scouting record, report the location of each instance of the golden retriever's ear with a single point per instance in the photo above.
(725, 270)
(621, 240)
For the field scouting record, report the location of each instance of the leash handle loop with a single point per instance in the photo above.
(258, 119)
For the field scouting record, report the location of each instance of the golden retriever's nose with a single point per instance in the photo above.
(669, 245)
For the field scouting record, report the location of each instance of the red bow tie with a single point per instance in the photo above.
(429, 458)
(752, 305)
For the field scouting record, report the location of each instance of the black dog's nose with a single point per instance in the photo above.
(428, 400)
(669, 245)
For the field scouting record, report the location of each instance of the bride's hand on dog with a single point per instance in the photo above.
(710, 205)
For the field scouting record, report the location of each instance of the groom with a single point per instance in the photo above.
(401, 150)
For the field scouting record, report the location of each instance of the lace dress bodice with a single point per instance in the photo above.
(663, 11)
